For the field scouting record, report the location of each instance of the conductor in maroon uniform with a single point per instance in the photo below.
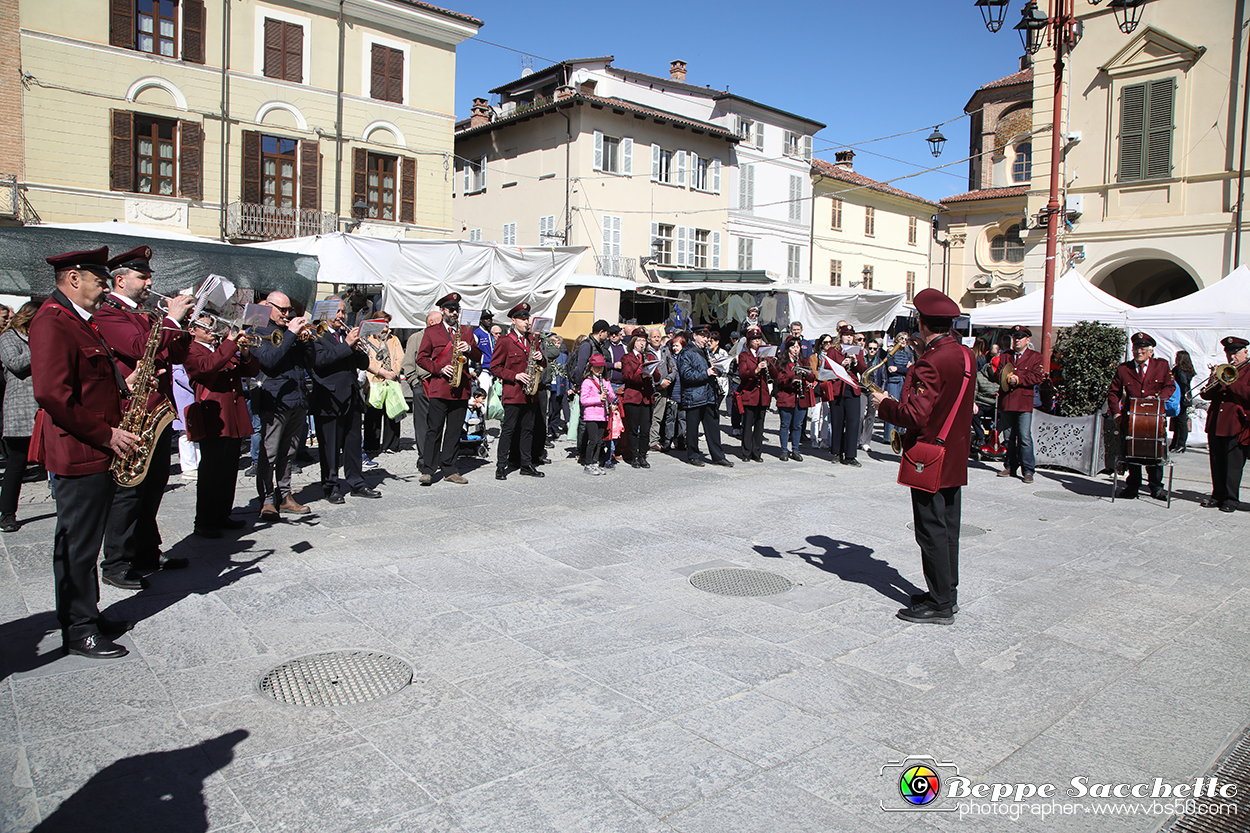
(1228, 430)
(448, 404)
(845, 407)
(508, 363)
(217, 371)
(132, 542)
(938, 390)
(1139, 377)
(79, 389)
(1015, 403)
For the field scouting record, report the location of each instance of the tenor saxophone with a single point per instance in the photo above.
(534, 371)
(458, 361)
(130, 469)
(865, 378)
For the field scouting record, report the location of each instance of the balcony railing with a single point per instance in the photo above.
(13, 203)
(616, 267)
(249, 221)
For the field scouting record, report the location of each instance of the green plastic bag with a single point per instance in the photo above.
(494, 402)
(575, 413)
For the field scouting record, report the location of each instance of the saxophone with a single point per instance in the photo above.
(458, 361)
(532, 368)
(129, 470)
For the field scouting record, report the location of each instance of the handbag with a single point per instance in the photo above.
(1172, 407)
(921, 466)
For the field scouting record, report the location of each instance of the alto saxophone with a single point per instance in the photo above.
(534, 371)
(130, 469)
(458, 361)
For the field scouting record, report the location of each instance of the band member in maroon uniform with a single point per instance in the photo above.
(132, 542)
(753, 377)
(1142, 376)
(845, 407)
(795, 391)
(444, 346)
(936, 398)
(1228, 429)
(510, 362)
(638, 395)
(218, 420)
(1015, 403)
(79, 389)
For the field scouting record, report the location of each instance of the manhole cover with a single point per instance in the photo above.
(965, 530)
(340, 678)
(1063, 495)
(741, 582)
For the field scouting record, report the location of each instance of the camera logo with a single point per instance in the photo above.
(915, 783)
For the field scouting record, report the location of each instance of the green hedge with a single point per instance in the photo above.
(1089, 354)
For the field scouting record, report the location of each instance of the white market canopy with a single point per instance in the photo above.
(414, 274)
(1076, 299)
(1197, 322)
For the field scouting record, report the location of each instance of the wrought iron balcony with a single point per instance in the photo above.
(248, 221)
(13, 203)
(616, 267)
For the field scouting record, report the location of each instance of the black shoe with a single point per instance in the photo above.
(126, 581)
(231, 523)
(545, 461)
(784, 456)
(550, 444)
(643, 464)
(206, 532)
(113, 627)
(335, 496)
(1158, 493)
(722, 462)
(1208, 502)
(925, 600)
(926, 615)
(530, 471)
(95, 647)
(756, 458)
(366, 492)
(1228, 506)
(501, 474)
(697, 462)
(1128, 493)
(175, 563)
(853, 463)
(8, 523)
(796, 457)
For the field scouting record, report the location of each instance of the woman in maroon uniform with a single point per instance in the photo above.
(753, 376)
(638, 395)
(844, 406)
(795, 391)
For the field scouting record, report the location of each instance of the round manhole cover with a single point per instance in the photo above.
(965, 530)
(1065, 495)
(741, 582)
(340, 678)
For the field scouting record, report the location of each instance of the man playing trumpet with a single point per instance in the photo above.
(1228, 428)
(282, 403)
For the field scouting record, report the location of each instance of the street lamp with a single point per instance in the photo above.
(1032, 27)
(993, 12)
(1127, 14)
(936, 141)
(359, 209)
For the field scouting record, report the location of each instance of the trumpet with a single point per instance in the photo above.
(1221, 375)
(315, 330)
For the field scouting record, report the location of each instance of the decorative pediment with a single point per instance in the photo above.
(1152, 50)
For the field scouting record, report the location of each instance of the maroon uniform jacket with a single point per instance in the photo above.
(930, 392)
(858, 366)
(639, 387)
(126, 333)
(752, 382)
(1028, 367)
(218, 379)
(790, 392)
(76, 386)
(510, 357)
(1128, 384)
(1229, 415)
(435, 354)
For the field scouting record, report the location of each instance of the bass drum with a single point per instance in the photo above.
(1146, 435)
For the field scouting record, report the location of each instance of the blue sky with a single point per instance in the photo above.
(865, 69)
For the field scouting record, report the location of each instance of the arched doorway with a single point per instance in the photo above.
(1144, 283)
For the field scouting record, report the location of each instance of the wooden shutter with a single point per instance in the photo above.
(598, 150)
(191, 160)
(123, 154)
(407, 189)
(759, 135)
(1132, 131)
(293, 53)
(796, 197)
(1160, 101)
(680, 232)
(807, 148)
(481, 180)
(377, 73)
(395, 75)
(310, 175)
(360, 175)
(681, 168)
(655, 163)
(716, 250)
(251, 167)
(273, 48)
(122, 25)
(627, 156)
(715, 176)
(193, 31)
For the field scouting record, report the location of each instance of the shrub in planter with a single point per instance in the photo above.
(1091, 351)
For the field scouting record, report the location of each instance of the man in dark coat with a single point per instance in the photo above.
(1137, 378)
(448, 403)
(509, 363)
(698, 400)
(1228, 429)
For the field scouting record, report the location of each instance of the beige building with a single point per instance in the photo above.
(867, 234)
(223, 119)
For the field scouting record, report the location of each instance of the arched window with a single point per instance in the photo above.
(1022, 167)
(1007, 247)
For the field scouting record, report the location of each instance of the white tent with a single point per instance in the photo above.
(1197, 322)
(1076, 299)
(416, 273)
(820, 308)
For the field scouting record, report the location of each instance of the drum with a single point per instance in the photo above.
(1146, 433)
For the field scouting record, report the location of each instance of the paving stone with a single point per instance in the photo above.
(18, 799)
(761, 729)
(767, 804)
(54, 705)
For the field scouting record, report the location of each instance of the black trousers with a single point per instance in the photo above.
(131, 537)
(704, 415)
(381, 432)
(539, 451)
(557, 414)
(1154, 476)
(936, 519)
(594, 441)
(638, 424)
(338, 441)
(15, 449)
(82, 504)
(753, 430)
(1228, 459)
(844, 419)
(519, 423)
(444, 423)
(420, 417)
(218, 475)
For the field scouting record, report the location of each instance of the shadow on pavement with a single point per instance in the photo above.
(853, 563)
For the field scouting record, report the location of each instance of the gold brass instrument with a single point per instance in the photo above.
(896, 441)
(1221, 375)
(532, 368)
(315, 330)
(865, 378)
(132, 468)
(459, 362)
(1004, 376)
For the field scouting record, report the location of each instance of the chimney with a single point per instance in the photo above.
(677, 71)
(845, 159)
(564, 91)
(1026, 61)
(480, 114)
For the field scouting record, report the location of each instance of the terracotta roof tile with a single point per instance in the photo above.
(614, 103)
(1022, 77)
(988, 194)
(832, 171)
(431, 7)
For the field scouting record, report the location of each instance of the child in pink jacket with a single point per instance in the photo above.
(598, 400)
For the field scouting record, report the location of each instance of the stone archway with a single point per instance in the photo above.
(1147, 282)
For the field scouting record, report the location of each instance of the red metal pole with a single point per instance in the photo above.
(1060, 21)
